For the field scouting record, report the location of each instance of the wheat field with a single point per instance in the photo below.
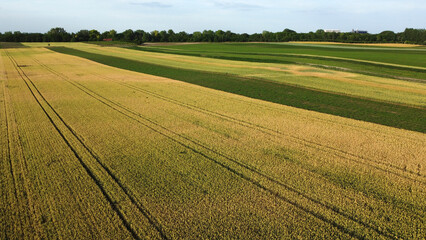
(90, 151)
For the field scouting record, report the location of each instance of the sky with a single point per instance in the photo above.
(248, 16)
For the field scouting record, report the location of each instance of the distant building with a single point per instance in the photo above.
(359, 31)
(332, 30)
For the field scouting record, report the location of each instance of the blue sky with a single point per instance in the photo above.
(248, 16)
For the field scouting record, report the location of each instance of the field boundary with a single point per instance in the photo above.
(306, 56)
(384, 113)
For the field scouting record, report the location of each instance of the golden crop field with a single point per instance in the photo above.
(385, 89)
(90, 151)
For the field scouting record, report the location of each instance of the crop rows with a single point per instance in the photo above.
(122, 109)
(70, 138)
(389, 114)
(382, 166)
(166, 167)
(166, 132)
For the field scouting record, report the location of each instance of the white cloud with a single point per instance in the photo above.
(233, 5)
(151, 4)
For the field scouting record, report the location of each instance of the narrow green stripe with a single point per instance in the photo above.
(388, 114)
(348, 65)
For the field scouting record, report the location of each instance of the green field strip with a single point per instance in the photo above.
(108, 184)
(277, 54)
(410, 57)
(408, 73)
(388, 114)
(356, 46)
(316, 76)
(313, 74)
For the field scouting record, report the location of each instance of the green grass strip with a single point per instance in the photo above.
(394, 115)
(348, 65)
(399, 56)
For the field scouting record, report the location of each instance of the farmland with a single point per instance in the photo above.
(213, 141)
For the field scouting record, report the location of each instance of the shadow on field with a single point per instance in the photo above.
(7, 45)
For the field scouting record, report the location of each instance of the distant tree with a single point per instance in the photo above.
(128, 35)
(171, 36)
(320, 35)
(112, 34)
(268, 36)
(208, 36)
(8, 37)
(230, 36)
(255, 37)
(138, 35)
(17, 36)
(288, 35)
(57, 35)
(241, 38)
(197, 37)
(82, 35)
(342, 37)
(104, 35)
(386, 36)
(94, 35)
(146, 37)
(32, 37)
(412, 35)
(182, 37)
(164, 37)
(310, 36)
(155, 36)
(219, 36)
(331, 36)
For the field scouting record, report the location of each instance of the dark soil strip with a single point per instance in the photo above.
(389, 114)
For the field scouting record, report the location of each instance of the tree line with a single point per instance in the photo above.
(410, 35)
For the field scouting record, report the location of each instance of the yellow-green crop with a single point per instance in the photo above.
(95, 152)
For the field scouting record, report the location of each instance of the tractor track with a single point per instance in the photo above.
(262, 106)
(379, 165)
(24, 198)
(131, 114)
(95, 178)
(275, 133)
(8, 149)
